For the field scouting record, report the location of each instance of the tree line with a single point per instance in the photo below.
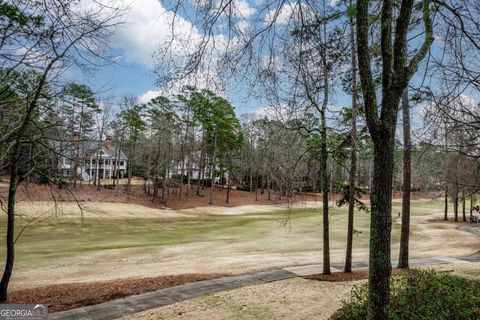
(184, 144)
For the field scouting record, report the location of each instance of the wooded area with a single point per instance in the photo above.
(388, 58)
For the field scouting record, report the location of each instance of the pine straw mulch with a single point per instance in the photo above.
(344, 277)
(74, 295)
(87, 193)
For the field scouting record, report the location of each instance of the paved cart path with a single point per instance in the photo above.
(122, 307)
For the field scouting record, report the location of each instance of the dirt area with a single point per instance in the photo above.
(75, 295)
(89, 193)
(85, 192)
(431, 236)
(292, 299)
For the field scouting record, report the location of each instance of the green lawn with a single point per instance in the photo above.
(50, 241)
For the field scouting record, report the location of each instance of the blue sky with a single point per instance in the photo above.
(146, 28)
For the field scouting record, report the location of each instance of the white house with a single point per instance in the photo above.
(96, 160)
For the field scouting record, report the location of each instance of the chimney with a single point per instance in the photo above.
(109, 142)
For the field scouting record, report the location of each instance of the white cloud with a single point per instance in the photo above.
(146, 25)
(280, 16)
(147, 28)
(244, 8)
(243, 26)
(149, 95)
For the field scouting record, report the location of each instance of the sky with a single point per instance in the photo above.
(146, 28)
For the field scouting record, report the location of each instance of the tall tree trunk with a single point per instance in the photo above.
(212, 171)
(182, 172)
(471, 207)
(12, 188)
(251, 180)
(445, 210)
(269, 187)
(13, 184)
(396, 73)
(228, 188)
(353, 152)
(256, 186)
(455, 204)
(324, 156)
(201, 165)
(407, 180)
(380, 228)
(464, 215)
(325, 221)
(117, 173)
(130, 172)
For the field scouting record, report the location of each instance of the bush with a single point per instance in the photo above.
(420, 294)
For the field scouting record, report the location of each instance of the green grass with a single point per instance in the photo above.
(49, 241)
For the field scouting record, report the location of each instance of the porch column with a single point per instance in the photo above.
(110, 171)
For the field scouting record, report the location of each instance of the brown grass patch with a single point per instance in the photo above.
(74, 295)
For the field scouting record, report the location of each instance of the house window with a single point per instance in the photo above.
(67, 161)
(107, 162)
(121, 162)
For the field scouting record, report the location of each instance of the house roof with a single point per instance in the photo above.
(89, 149)
(112, 152)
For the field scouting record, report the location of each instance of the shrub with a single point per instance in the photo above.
(420, 294)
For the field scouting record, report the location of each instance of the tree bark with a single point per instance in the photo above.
(7, 273)
(212, 171)
(353, 153)
(228, 188)
(445, 211)
(455, 204)
(13, 184)
(471, 207)
(130, 171)
(396, 73)
(380, 229)
(326, 226)
(407, 180)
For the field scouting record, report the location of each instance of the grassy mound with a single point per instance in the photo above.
(420, 294)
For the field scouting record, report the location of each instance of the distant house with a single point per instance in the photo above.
(195, 169)
(96, 160)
